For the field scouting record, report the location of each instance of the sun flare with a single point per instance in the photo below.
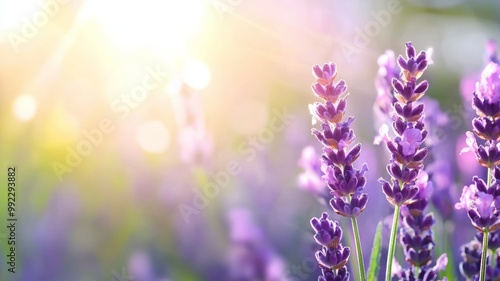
(149, 24)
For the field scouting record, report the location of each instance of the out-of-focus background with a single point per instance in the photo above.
(160, 140)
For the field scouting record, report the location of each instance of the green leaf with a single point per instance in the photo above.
(376, 252)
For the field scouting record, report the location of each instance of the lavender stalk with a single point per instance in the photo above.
(481, 199)
(343, 180)
(406, 154)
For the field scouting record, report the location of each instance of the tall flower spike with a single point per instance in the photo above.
(406, 164)
(405, 148)
(344, 181)
(481, 199)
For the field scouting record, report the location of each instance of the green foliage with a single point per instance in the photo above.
(376, 252)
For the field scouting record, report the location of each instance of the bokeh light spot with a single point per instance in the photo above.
(153, 137)
(196, 74)
(24, 107)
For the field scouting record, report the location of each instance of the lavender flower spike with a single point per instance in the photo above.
(481, 200)
(345, 182)
(407, 155)
(406, 165)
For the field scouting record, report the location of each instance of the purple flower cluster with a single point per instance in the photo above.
(416, 236)
(344, 181)
(481, 199)
(411, 188)
(407, 156)
(332, 257)
(471, 257)
(482, 203)
(471, 260)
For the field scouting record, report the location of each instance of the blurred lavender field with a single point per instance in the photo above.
(164, 140)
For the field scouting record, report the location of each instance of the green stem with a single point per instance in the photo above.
(484, 255)
(359, 250)
(392, 244)
(493, 261)
(490, 173)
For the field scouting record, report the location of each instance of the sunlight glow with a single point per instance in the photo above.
(153, 137)
(24, 107)
(196, 74)
(14, 13)
(149, 24)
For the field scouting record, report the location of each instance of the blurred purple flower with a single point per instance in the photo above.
(492, 51)
(383, 83)
(425, 274)
(468, 164)
(444, 191)
(311, 179)
(251, 258)
(471, 259)
(195, 142)
(141, 269)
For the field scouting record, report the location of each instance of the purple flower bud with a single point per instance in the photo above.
(422, 87)
(326, 74)
(333, 258)
(328, 233)
(412, 67)
(397, 194)
(349, 209)
(486, 129)
(471, 259)
(334, 275)
(488, 89)
(330, 92)
(339, 138)
(410, 50)
(412, 138)
(488, 155)
(328, 112)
